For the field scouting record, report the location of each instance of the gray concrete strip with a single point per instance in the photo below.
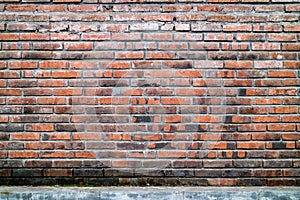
(149, 193)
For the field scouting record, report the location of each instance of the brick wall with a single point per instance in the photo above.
(149, 92)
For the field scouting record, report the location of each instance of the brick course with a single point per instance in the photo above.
(149, 92)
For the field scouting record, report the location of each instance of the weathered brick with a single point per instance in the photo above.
(21, 8)
(191, 80)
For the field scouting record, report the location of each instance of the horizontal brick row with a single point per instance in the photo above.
(202, 68)
(148, 173)
(194, 17)
(142, 127)
(153, 8)
(230, 119)
(148, 181)
(183, 177)
(157, 150)
(151, 47)
(289, 136)
(150, 164)
(149, 55)
(152, 40)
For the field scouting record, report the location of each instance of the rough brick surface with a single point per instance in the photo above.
(149, 92)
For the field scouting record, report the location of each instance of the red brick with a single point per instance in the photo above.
(206, 27)
(2, 65)
(190, 92)
(34, 36)
(290, 47)
(188, 36)
(281, 127)
(51, 154)
(78, 46)
(281, 74)
(52, 101)
(58, 172)
(83, 8)
(291, 28)
(266, 136)
(65, 36)
(129, 55)
(267, 28)
(22, 65)
(86, 136)
(238, 64)
(66, 1)
(222, 18)
(281, 182)
(127, 164)
(40, 127)
(158, 17)
(4, 119)
(171, 154)
(265, 46)
(65, 17)
(83, 28)
(127, 17)
(52, 8)
(253, 18)
(290, 136)
(9, 36)
(37, 92)
(8, 17)
(237, 8)
(40, 145)
(291, 64)
(255, 1)
(286, 17)
(283, 109)
(269, 8)
(209, 8)
(67, 92)
(21, 27)
(21, 8)
(66, 74)
(114, 28)
(237, 28)
(291, 82)
(292, 8)
(250, 36)
(47, 46)
(33, 18)
(159, 55)
(56, 136)
(10, 92)
(28, 136)
(204, 46)
(126, 36)
(289, 91)
(53, 64)
(250, 145)
(5, 172)
(155, 36)
(83, 155)
(222, 1)
(25, 154)
(266, 119)
(188, 73)
(172, 101)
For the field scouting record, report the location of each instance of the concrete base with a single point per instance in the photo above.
(150, 193)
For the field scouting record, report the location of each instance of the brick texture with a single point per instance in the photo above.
(150, 92)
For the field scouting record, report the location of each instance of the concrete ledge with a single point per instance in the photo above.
(150, 193)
